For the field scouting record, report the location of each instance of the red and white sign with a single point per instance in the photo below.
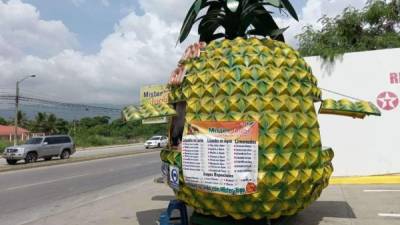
(387, 100)
(394, 78)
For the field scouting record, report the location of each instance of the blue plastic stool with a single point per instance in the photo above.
(166, 219)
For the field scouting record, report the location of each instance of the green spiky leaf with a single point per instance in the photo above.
(232, 5)
(288, 6)
(190, 19)
(236, 17)
(276, 3)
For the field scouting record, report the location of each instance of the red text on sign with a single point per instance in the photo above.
(394, 78)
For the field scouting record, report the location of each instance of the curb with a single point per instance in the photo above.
(382, 179)
(107, 146)
(71, 160)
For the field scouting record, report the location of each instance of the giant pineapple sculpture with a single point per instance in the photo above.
(235, 77)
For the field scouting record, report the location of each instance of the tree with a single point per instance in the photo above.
(3, 121)
(374, 27)
(62, 126)
(50, 125)
(39, 124)
(23, 120)
(89, 122)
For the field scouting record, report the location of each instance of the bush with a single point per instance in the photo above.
(3, 145)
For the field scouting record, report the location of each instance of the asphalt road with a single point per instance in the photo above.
(29, 195)
(120, 191)
(95, 152)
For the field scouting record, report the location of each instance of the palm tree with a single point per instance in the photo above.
(51, 127)
(40, 122)
(23, 120)
(61, 126)
(238, 18)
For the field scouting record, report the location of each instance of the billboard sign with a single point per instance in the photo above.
(154, 94)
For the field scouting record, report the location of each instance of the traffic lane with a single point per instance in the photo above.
(94, 152)
(353, 205)
(12, 179)
(31, 188)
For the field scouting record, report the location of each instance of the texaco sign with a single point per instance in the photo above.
(387, 100)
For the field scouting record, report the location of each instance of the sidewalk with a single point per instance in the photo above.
(141, 204)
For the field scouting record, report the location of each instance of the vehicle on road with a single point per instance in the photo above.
(156, 142)
(45, 147)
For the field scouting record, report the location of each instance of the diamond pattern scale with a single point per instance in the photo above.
(266, 81)
(146, 111)
(344, 107)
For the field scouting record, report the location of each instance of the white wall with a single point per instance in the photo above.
(368, 146)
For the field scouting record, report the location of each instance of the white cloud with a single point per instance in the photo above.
(141, 50)
(23, 32)
(169, 10)
(78, 3)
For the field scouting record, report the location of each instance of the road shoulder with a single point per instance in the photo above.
(141, 204)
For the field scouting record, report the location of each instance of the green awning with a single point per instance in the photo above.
(345, 107)
(147, 111)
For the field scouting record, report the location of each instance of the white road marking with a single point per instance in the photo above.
(382, 190)
(46, 182)
(396, 215)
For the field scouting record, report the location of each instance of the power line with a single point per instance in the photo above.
(60, 104)
(340, 94)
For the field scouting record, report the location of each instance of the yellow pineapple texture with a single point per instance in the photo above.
(266, 81)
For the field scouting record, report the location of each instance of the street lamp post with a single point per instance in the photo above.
(17, 107)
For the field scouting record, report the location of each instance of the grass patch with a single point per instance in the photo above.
(98, 140)
(3, 145)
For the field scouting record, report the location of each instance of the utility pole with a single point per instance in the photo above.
(17, 107)
(16, 114)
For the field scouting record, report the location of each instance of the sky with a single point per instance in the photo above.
(103, 51)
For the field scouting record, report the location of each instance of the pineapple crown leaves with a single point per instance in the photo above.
(237, 17)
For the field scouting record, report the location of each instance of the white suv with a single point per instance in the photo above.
(156, 141)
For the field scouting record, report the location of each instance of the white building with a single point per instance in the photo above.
(372, 145)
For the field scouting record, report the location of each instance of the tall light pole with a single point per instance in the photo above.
(17, 107)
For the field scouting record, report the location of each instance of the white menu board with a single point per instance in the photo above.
(221, 157)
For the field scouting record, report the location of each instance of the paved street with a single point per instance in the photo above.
(121, 191)
(29, 195)
(353, 205)
(80, 153)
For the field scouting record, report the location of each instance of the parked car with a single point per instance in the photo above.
(45, 147)
(156, 141)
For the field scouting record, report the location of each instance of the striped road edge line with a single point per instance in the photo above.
(389, 215)
(382, 190)
(395, 179)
